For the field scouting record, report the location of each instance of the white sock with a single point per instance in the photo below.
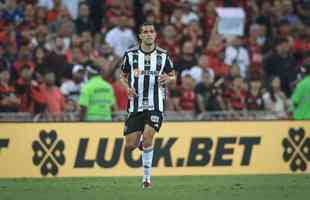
(147, 159)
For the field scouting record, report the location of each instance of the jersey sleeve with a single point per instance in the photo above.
(125, 64)
(168, 65)
(84, 97)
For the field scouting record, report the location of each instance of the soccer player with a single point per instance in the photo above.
(146, 70)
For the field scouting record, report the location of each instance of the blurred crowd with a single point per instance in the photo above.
(48, 47)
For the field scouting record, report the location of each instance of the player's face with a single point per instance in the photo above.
(148, 34)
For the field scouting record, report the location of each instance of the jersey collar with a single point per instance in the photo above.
(150, 52)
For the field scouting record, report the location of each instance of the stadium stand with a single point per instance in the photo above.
(47, 48)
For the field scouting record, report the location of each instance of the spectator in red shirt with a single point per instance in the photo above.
(254, 97)
(188, 97)
(208, 13)
(235, 97)
(52, 14)
(194, 34)
(176, 19)
(8, 100)
(62, 18)
(215, 53)
(113, 13)
(173, 97)
(257, 44)
(302, 42)
(55, 100)
(31, 97)
(120, 93)
(234, 71)
(118, 8)
(74, 54)
(169, 41)
(24, 58)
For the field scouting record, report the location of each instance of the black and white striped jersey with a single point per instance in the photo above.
(143, 71)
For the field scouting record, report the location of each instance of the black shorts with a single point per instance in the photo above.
(137, 121)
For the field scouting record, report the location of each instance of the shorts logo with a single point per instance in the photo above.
(48, 153)
(154, 118)
(296, 149)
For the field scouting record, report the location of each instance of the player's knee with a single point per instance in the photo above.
(147, 143)
(131, 147)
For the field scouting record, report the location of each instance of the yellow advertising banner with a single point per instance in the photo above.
(188, 148)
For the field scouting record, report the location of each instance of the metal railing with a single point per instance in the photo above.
(169, 116)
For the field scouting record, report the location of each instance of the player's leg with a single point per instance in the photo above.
(153, 125)
(132, 131)
(147, 157)
(140, 145)
(148, 136)
(132, 140)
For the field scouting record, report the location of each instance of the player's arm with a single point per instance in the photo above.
(169, 73)
(124, 80)
(167, 78)
(124, 77)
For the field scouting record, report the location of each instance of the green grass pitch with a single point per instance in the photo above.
(254, 187)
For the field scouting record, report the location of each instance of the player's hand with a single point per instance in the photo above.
(164, 79)
(131, 92)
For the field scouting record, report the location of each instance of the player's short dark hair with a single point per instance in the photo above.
(145, 24)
